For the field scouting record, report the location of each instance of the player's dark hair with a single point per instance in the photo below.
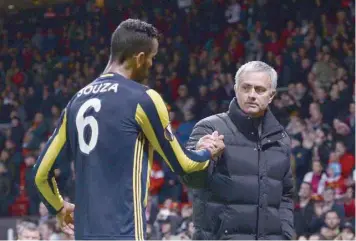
(132, 36)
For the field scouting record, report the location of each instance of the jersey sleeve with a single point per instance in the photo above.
(153, 118)
(57, 149)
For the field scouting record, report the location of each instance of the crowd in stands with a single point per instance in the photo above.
(47, 55)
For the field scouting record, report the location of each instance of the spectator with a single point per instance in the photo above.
(330, 204)
(346, 159)
(28, 231)
(47, 228)
(233, 12)
(166, 230)
(304, 210)
(347, 232)
(184, 102)
(156, 181)
(332, 225)
(186, 127)
(30, 188)
(5, 190)
(316, 178)
(17, 132)
(44, 214)
(349, 203)
(37, 132)
(335, 180)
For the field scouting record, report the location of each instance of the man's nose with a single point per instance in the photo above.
(252, 94)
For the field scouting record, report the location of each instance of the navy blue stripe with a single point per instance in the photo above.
(150, 109)
(152, 113)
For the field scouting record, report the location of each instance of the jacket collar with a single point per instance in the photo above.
(246, 124)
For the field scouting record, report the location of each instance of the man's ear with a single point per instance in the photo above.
(140, 59)
(272, 95)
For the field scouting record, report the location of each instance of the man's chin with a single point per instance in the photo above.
(252, 111)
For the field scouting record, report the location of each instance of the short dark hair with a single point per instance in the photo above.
(130, 37)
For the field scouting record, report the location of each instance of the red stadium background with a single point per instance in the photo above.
(51, 48)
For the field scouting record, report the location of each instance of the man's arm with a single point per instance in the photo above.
(286, 210)
(152, 116)
(57, 146)
(198, 179)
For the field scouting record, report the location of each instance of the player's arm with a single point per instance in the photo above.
(152, 116)
(56, 148)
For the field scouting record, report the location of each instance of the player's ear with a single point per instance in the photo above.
(140, 59)
(272, 95)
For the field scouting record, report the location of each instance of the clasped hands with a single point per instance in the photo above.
(214, 143)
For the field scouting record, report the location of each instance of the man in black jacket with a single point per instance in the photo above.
(247, 194)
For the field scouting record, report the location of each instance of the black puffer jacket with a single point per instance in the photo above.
(248, 193)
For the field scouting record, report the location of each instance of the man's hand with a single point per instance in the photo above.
(66, 218)
(214, 143)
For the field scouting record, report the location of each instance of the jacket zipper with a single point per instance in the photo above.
(259, 186)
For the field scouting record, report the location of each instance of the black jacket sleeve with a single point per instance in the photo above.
(198, 179)
(286, 209)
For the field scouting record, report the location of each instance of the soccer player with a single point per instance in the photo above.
(111, 128)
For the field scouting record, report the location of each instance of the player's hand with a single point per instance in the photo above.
(66, 218)
(208, 141)
(214, 143)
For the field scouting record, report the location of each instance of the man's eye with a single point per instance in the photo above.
(245, 88)
(260, 90)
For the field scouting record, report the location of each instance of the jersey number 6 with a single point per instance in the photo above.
(81, 122)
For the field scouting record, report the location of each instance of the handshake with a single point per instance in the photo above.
(214, 143)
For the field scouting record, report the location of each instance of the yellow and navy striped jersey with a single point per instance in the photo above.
(110, 129)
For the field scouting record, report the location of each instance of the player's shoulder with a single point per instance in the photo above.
(151, 96)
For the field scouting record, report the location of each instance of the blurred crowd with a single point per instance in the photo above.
(46, 55)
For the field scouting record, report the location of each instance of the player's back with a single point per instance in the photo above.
(110, 161)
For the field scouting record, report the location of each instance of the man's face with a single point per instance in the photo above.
(340, 148)
(328, 195)
(349, 193)
(166, 227)
(254, 92)
(320, 137)
(183, 91)
(317, 168)
(144, 63)
(347, 234)
(332, 220)
(45, 231)
(321, 94)
(304, 191)
(300, 88)
(27, 234)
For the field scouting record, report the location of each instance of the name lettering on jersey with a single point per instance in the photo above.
(102, 88)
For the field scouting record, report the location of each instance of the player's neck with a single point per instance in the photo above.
(119, 69)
